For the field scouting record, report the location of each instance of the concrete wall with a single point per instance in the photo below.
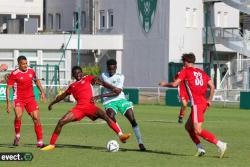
(146, 55)
(186, 24)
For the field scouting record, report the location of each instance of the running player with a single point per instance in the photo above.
(197, 81)
(183, 98)
(21, 80)
(82, 92)
(115, 102)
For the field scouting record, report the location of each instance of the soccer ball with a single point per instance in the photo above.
(112, 146)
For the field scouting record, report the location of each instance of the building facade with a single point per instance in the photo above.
(21, 16)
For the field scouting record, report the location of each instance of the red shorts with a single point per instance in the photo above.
(197, 112)
(80, 111)
(29, 104)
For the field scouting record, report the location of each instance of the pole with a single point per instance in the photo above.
(206, 28)
(78, 32)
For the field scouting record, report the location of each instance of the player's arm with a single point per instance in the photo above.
(38, 84)
(8, 103)
(116, 91)
(210, 98)
(171, 84)
(58, 99)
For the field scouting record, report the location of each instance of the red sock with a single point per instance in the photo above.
(114, 126)
(194, 136)
(39, 131)
(53, 138)
(208, 136)
(17, 125)
(182, 113)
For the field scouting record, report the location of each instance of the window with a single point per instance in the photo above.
(188, 18)
(75, 20)
(194, 18)
(110, 18)
(58, 21)
(225, 19)
(83, 19)
(50, 21)
(219, 19)
(38, 18)
(102, 19)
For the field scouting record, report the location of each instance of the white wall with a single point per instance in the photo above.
(226, 16)
(183, 37)
(23, 7)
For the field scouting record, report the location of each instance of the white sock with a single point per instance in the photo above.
(137, 134)
(199, 146)
(220, 144)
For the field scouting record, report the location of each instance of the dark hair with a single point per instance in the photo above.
(21, 58)
(76, 68)
(188, 57)
(111, 62)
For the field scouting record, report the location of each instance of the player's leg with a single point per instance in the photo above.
(111, 114)
(198, 119)
(194, 137)
(68, 117)
(129, 114)
(182, 110)
(37, 127)
(101, 114)
(33, 110)
(17, 123)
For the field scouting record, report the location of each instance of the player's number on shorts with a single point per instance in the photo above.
(198, 79)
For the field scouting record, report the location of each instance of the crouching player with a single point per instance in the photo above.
(82, 92)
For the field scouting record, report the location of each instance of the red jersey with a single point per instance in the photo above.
(82, 90)
(22, 83)
(196, 81)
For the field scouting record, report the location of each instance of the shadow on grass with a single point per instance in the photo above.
(7, 145)
(160, 121)
(103, 149)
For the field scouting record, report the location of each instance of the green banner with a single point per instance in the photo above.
(3, 93)
(147, 10)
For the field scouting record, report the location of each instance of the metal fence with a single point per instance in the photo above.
(148, 95)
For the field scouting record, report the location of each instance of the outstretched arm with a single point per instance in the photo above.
(57, 99)
(171, 84)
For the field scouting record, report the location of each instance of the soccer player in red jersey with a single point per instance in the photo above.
(21, 80)
(83, 92)
(197, 82)
(183, 97)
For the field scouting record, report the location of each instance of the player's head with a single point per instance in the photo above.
(22, 63)
(77, 72)
(111, 66)
(188, 58)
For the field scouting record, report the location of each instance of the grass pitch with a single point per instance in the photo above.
(84, 143)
